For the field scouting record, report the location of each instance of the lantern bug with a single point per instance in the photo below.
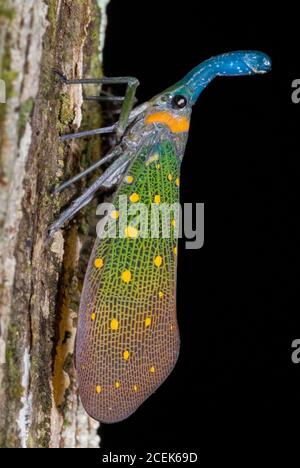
(127, 337)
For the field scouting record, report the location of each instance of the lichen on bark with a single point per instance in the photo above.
(40, 282)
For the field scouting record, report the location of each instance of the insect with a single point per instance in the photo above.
(127, 337)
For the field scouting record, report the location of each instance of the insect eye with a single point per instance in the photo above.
(179, 101)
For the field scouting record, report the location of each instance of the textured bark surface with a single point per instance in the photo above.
(40, 284)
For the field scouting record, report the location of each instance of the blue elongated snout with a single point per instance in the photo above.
(239, 63)
(257, 62)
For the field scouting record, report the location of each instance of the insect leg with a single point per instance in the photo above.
(96, 131)
(104, 98)
(128, 103)
(117, 151)
(116, 168)
(127, 106)
(114, 179)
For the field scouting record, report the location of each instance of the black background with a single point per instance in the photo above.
(237, 296)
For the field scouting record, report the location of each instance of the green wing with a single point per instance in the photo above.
(127, 339)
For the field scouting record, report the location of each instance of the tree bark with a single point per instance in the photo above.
(41, 283)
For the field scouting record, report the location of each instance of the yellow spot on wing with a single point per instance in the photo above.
(157, 166)
(173, 222)
(148, 322)
(126, 355)
(177, 181)
(161, 294)
(176, 123)
(98, 389)
(135, 388)
(99, 263)
(134, 197)
(126, 276)
(154, 157)
(114, 324)
(158, 261)
(93, 316)
(117, 384)
(115, 214)
(175, 250)
(131, 231)
(157, 199)
(152, 369)
(170, 177)
(129, 179)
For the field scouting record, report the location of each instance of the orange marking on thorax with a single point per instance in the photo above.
(175, 124)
